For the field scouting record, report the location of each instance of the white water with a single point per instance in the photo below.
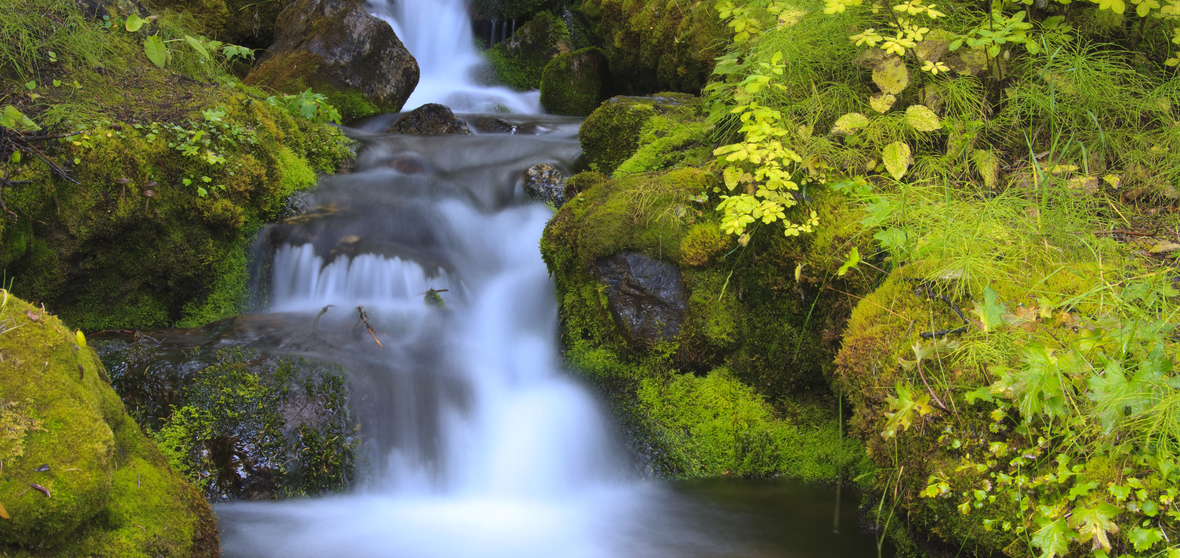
(438, 35)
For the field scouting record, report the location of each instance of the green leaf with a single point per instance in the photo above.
(903, 407)
(849, 123)
(1144, 539)
(896, 157)
(1094, 523)
(1052, 538)
(197, 46)
(155, 50)
(990, 313)
(922, 119)
(850, 263)
(31, 85)
(15, 119)
(134, 22)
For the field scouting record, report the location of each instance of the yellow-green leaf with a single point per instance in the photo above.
(197, 46)
(922, 119)
(850, 123)
(80, 338)
(4, 512)
(155, 50)
(987, 165)
(896, 157)
(891, 75)
(134, 22)
(882, 102)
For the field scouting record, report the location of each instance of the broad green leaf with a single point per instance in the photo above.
(892, 239)
(851, 263)
(1094, 523)
(15, 119)
(882, 102)
(896, 157)
(850, 123)
(197, 46)
(155, 50)
(903, 407)
(922, 119)
(134, 22)
(1144, 539)
(1038, 387)
(891, 75)
(1052, 538)
(990, 313)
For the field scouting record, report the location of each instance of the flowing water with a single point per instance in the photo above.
(476, 443)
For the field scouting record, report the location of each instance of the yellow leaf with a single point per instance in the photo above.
(882, 102)
(849, 123)
(4, 512)
(891, 75)
(922, 119)
(896, 157)
(81, 339)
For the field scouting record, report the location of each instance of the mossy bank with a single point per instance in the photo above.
(80, 478)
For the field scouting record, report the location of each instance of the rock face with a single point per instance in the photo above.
(80, 478)
(644, 295)
(575, 83)
(430, 120)
(545, 184)
(336, 48)
(519, 61)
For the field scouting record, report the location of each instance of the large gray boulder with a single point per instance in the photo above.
(431, 119)
(645, 296)
(337, 49)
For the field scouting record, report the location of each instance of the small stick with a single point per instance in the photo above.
(317, 322)
(365, 318)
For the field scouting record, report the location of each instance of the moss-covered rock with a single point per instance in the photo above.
(520, 61)
(339, 50)
(758, 334)
(659, 45)
(575, 83)
(511, 9)
(81, 478)
(612, 133)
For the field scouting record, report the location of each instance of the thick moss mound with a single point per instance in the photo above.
(80, 478)
(520, 62)
(756, 345)
(659, 45)
(575, 83)
(613, 132)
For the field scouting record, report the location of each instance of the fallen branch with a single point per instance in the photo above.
(365, 318)
(317, 322)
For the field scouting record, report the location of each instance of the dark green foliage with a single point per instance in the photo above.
(512, 9)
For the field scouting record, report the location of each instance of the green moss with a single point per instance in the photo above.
(112, 493)
(670, 142)
(520, 62)
(613, 132)
(575, 83)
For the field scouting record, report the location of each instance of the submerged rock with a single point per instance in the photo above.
(644, 295)
(336, 48)
(545, 184)
(575, 83)
(79, 477)
(431, 119)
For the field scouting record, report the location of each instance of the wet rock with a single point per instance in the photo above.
(545, 184)
(431, 119)
(575, 83)
(645, 296)
(336, 48)
(491, 125)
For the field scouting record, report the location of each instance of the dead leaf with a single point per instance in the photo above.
(1164, 247)
(33, 315)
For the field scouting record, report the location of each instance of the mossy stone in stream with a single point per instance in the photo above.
(520, 61)
(80, 478)
(612, 133)
(575, 83)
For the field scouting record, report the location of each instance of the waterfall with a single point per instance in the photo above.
(438, 35)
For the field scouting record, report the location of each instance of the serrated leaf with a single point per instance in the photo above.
(892, 239)
(922, 119)
(987, 165)
(991, 312)
(155, 50)
(197, 46)
(891, 75)
(849, 123)
(1144, 539)
(1052, 538)
(882, 102)
(134, 22)
(902, 409)
(896, 157)
(1094, 523)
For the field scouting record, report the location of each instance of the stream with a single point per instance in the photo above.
(476, 442)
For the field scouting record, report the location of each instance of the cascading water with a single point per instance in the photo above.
(438, 35)
(476, 444)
